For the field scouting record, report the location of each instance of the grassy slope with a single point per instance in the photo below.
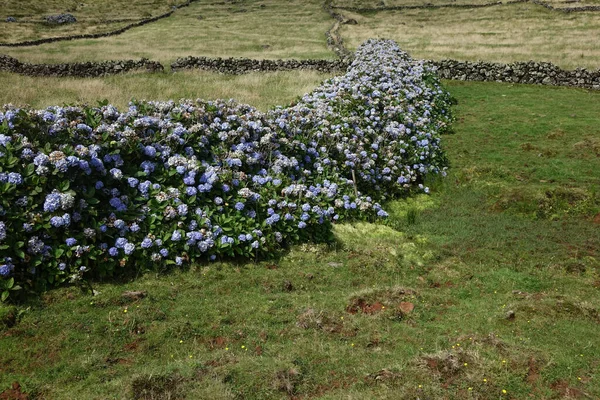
(516, 32)
(92, 16)
(250, 28)
(262, 90)
(462, 256)
(397, 3)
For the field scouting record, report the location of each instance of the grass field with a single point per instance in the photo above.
(92, 16)
(515, 32)
(400, 3)
(488, 288)
(261, 90)
(512, 229)
(256, 29)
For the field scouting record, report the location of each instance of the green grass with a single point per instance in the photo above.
(262, 90)
(332, 322)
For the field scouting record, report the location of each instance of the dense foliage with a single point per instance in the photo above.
(93, 190)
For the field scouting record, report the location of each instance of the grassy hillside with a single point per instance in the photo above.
(487, 288)
(257, 29)
(515, 32)
(92, 16)
(400, 3)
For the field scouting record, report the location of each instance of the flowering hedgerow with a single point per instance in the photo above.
(93, 190)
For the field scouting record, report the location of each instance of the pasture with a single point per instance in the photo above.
(488, 287)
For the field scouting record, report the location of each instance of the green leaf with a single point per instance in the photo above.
(4, 296)
(29, 170)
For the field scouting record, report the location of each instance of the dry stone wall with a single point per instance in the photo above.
(531, 72)
(245, 65)
(85, 69)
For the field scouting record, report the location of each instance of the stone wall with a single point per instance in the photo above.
(334, 40)
(427, 5)
(245, 65)
(565, 9)
(453, 5)
(531, 72)
(85, 69)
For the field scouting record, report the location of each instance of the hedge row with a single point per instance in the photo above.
(95, 191)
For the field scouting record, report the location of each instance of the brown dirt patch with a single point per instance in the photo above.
(218, 342)
(360, 305)
(562, 388)
(14, 393)
(377, 300)
(533, 373)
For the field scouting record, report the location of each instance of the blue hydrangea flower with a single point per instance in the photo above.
(129, 248)
(52, 202)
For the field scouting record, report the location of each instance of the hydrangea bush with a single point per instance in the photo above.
(94, 191)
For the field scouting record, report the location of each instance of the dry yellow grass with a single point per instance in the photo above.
(396, 3)
(516, 32)
(262, 90)
(255, 29)
(92, 16)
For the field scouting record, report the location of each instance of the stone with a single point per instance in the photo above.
(61, 19)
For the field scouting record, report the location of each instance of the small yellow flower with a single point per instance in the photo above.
(470, 388)
(243, 347)
(466, 364)
(190, 356)
(503, 361)
(503, 391)
(125, 310)
(181, 341)
(341, 317)
(578, 378)
(485, 380)
(420, 386)
(226, 348)
(458, 344)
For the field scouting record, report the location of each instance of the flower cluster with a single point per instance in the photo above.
(96, 190)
